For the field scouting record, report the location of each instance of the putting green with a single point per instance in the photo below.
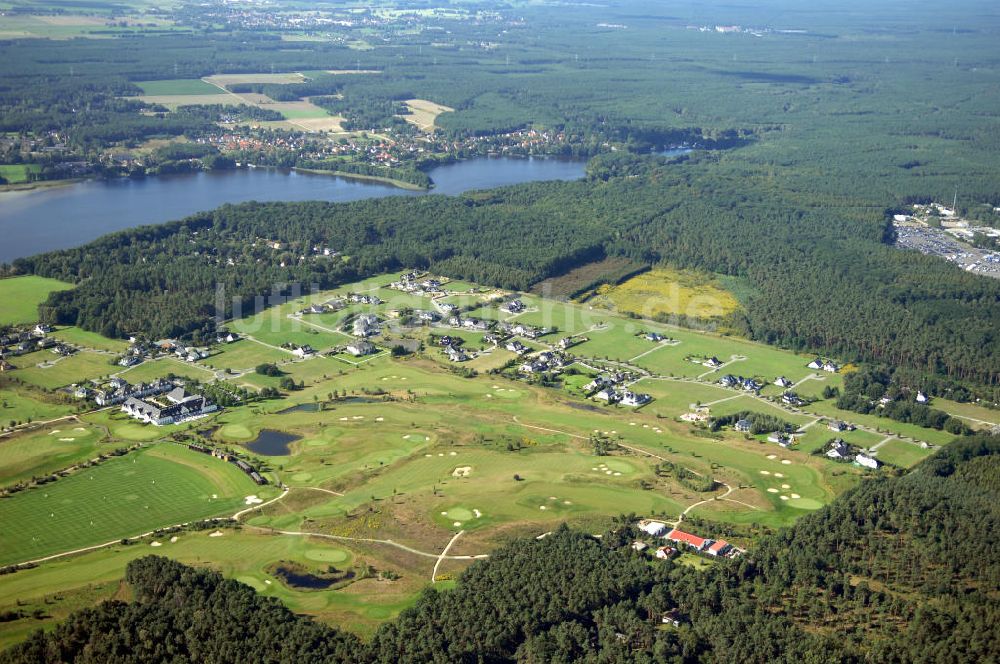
(317, 442)
(459, 514)
(252, 581)
(805, 503)
(327, 555)
(235, 431)
(302, 477)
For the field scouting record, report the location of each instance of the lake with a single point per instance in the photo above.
(58, 218)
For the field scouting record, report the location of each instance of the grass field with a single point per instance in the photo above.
(21, 405)
(22, 295)
(122, 497)
(17, 173)
(85, 339)
(59, 372)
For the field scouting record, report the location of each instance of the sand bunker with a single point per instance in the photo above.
(461, 471)
(217, 533)
(173, 539)
(795, 495)
(155, 544)
(772, 490)
(783, 497)
(765, 472)
(252, 500)
(786, 462)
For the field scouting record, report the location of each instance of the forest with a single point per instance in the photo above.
(892, 571)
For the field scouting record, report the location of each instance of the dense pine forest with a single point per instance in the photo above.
(896, 570)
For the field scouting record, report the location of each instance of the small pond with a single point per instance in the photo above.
(272, 443)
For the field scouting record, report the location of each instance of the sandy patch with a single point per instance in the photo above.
(423, 113)
(477, 513)
(457, 524)
(786, 462)
(66, 440)
(461, 471)
(795, 495)
(155, 544)
(542, 507)
(765, 472)
(778, 475)
(173, 539)
(252, 500)
(772, 490)
(786, 486)
(772, 456)
(783, 497)
(217, 533)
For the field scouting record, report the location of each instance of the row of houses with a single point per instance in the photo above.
(545, 361)
(229, 458)
(118, 390)
(176, 406)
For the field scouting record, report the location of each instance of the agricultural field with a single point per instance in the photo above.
(423, 113)
(22, 295)
(123, 497)
(180, 87)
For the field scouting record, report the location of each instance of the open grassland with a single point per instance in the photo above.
(151, 370)
(902, 453)
(20, 297)
(20, 405)
(47, 450)
(49, 371)
(665, 292)
(84, 339)
(122, 497)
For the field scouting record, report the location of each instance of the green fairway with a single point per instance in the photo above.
(122, 497)
(48, 449)
(20, 297)
(180, 86)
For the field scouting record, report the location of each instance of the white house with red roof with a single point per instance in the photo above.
(695, 542)
(719, 548)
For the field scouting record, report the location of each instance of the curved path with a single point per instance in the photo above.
(444, 552)
(388, 542)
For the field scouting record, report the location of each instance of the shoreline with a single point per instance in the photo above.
(26, 187)
(399, 184)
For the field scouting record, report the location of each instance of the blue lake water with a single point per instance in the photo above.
(58, 218)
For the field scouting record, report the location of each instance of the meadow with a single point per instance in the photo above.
(666, 292)
(22, 295)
